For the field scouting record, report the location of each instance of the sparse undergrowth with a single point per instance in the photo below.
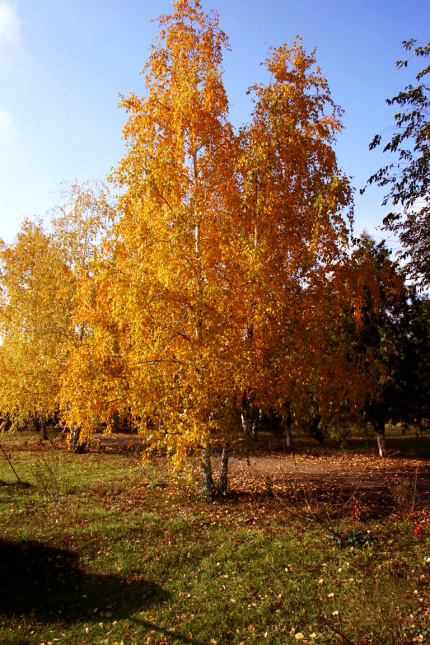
(102, 549)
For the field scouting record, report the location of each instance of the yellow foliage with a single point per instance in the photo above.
(216, 280)
(220, 275)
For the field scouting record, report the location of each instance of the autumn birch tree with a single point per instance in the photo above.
(205, 303)
(293, 225)
(34, 316)
(39, 274)
(165, 281)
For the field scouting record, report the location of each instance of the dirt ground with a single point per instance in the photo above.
(397, 479)
(369, 478)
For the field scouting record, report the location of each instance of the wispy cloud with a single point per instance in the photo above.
(9, 27)
(10, 40)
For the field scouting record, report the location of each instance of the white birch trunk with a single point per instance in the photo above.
(223, 475)
(379, 427)
(249, 426)
(382, 443)
(76, 445)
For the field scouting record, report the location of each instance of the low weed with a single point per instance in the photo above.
(46, 473)
(404, 494)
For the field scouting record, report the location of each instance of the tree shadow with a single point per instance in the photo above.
(337, 499)
(15, 485)
(48, 584)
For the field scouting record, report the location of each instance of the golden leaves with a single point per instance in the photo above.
(208, 277)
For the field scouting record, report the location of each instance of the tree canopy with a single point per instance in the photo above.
(210, 300)
(409, 178)
(39, 274)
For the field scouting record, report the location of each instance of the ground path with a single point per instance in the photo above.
(405, 481)
(398, 479)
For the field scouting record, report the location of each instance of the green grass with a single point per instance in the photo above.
(102, 549)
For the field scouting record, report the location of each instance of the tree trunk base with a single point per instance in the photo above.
(382, 443)
(208, 481)
(249, 426)
(213, 492)
(75, 445)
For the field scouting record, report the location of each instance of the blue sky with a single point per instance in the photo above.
(64, 62)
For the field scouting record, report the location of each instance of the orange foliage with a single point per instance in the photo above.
(216, 284)
(221, 273)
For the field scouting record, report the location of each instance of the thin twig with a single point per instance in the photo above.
(337, 631)
(10, 464)
(415, 491)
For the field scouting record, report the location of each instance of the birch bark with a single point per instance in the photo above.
(223, 475)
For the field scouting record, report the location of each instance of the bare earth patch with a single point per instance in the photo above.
(364, 476)
(358, 475)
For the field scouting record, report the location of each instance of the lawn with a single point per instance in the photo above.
(105, 548)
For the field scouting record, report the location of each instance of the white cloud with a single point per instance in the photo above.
(9, 23)
(9, 26)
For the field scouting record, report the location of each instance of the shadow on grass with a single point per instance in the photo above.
(14, 485)
(48, 585)
(334, 502)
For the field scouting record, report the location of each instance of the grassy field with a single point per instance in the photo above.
(101, 548)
